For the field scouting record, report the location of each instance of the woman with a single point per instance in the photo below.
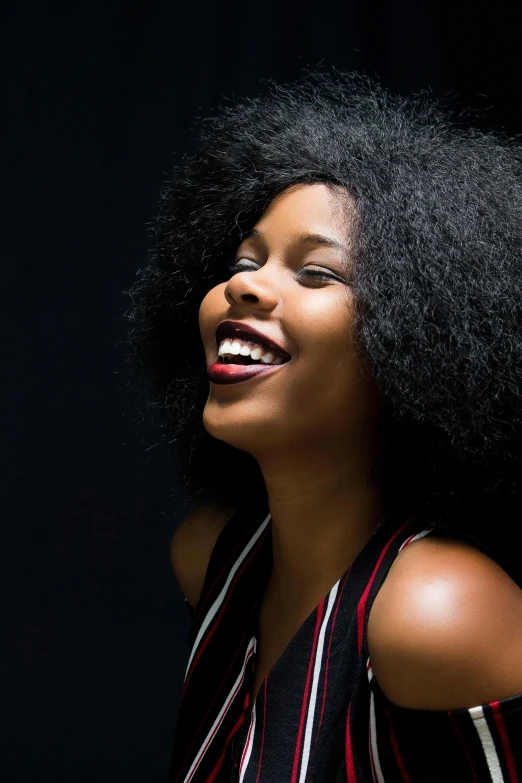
(331, 322)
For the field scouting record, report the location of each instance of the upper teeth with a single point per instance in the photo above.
(255, 351)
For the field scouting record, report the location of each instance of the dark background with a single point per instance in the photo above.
(98, 102)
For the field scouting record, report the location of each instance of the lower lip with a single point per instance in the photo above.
(235, 373)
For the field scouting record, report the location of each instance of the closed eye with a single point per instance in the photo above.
(236, 268)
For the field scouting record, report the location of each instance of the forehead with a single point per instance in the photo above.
(316, 208)
(314, 213)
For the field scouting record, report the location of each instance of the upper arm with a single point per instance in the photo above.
(192, 545)
(445, 629)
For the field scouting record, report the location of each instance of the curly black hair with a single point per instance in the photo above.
(437, 286)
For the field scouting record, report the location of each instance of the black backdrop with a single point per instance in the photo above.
(98, 100)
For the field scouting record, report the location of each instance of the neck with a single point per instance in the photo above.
(322, 516)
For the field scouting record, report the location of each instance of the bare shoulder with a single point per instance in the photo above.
(445, 629)
(192, 545)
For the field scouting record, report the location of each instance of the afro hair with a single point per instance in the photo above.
(437, 286)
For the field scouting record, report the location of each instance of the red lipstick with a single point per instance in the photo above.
(234, 373)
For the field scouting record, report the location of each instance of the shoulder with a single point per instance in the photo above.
(192, 545)
(445, 629)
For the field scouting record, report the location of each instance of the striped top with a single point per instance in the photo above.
(320, 716)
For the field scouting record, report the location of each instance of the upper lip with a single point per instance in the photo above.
(241, 329)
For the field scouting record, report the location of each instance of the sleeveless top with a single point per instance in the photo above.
(319, 716)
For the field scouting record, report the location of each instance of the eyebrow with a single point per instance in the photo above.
(304, 239)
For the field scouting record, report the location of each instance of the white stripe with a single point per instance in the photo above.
(373, 746)
(315, 684)
(247, 752)
(374, 750)
(414, 538)
(221, 597)
(488, 744)
(224, 709)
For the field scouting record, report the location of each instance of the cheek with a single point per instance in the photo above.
(325, 326)
(333, 374)
(330, 360)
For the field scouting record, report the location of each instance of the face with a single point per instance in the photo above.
(291, 282)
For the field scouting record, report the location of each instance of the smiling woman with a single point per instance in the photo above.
(311, 319)
(301, 246)
(344, 267)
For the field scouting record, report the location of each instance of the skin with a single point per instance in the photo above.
(445, 629)
(311, 426)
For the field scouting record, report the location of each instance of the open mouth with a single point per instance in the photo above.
(243, 352)
(239, 338)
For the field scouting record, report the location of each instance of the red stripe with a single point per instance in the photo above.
(501, 727)
(216, 728)
(217, 620)
(320, 610)
(364, 598)
(406, 542)
(338, 603)
(263, 732)
(351, 777)
(247, 743)
(217, 693)
(470, 761)
(396, 751)
(234, 731)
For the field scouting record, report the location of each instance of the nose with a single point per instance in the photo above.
(253, 288)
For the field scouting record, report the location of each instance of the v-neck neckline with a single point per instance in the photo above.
(266, 550)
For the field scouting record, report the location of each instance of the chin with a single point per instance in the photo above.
(246, 435)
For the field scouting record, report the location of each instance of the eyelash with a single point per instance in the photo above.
(235, 268)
